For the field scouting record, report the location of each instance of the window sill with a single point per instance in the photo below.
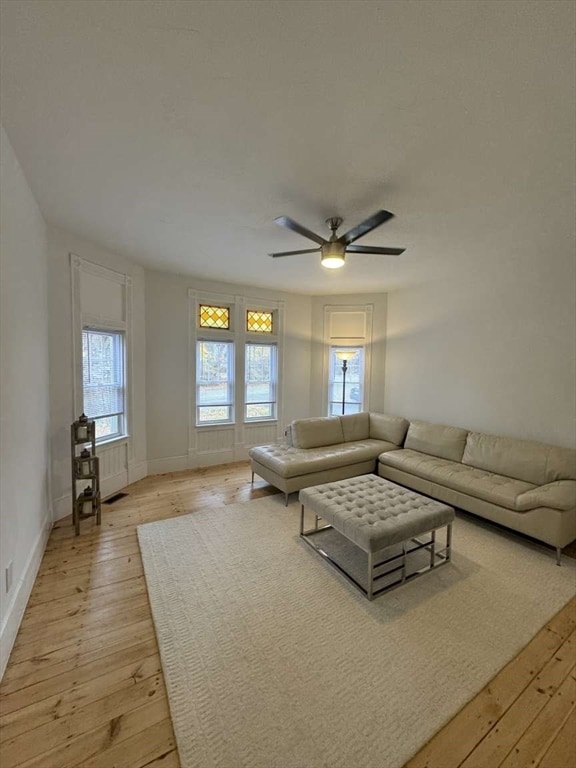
(253, 422)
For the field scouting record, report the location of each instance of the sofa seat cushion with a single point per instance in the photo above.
(288, 461)
(488, 486)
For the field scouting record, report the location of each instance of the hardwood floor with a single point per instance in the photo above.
(84, 686)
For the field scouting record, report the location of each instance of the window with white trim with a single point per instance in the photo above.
(214, 381)
(346, 382)
(237, 345)
(103, 381)
(261, 374)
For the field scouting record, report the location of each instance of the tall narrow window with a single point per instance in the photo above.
(346, 381)
(103, 381)
(261, 376)
(214, 382)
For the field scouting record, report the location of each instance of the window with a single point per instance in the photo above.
(214, 382)
(259, 322)
(103, 381)
(261, 375)
(237, 343)
(213, 317)
(353, 395)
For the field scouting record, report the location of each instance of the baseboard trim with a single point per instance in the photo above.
(137, 470)
(22, 591)
(170, 464)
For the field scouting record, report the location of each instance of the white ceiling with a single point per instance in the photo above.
(175, 132)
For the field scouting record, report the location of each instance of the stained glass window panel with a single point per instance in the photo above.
(213, 317)
(258, 322)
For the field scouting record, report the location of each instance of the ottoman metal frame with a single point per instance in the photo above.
(439, 554)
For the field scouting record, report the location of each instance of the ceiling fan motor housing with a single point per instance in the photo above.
(333, 223)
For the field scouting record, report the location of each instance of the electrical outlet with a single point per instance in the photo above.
(9, 577)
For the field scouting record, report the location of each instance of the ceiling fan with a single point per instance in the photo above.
(333, 250)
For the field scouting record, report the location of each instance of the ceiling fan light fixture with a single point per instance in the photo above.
(333, 255)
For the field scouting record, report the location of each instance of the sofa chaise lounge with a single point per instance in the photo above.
(524, 485)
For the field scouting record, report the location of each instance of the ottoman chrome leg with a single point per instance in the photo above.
(404, 561)
(301, 519)
(433, 549)
(286, 499)
(448, 542)
(558, 556)
(252, 481)
(370, 590)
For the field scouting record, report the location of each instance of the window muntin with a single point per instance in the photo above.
(214, 382)
(210, 316)
(261, 374)
(103, 384)
(354, 395)
(259, 322)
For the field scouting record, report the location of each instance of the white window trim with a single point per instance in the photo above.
(121, 336)
(266, 341)
(220, 422)
(364, 341)
(81, 320)
(349, 385)
(238, 305)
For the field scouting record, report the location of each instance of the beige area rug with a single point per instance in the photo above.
(273, 660)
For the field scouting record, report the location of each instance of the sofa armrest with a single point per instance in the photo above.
(558, 495)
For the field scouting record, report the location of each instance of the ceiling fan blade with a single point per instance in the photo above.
(293, 253)
(374, 249)
(366, 226)
(286, 221)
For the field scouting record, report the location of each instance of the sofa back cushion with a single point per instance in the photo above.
(527, 460)
(390, 428)
(314, 433)
(436, 440)
(355, 426)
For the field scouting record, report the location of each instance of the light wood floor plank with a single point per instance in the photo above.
(75, 677)
(70, 653)
(52, 735)
(37, 713)
(72, 605)
(453, 743)
(34, 671)
(169, 760)
(84, 686)
(143, 725)
(155, 739)
(530, 749)
(522, 713)
(58, 636)
(562, 751)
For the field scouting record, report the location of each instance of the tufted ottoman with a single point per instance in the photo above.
(376, 515)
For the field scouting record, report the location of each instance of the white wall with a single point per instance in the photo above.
(376, 384)
(25, 515)
(490, 348)
(167, 367)
(120, 463)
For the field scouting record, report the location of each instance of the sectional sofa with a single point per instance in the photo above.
(524, 485)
